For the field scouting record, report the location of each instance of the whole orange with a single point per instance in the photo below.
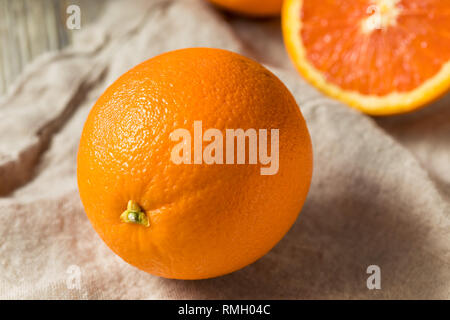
(191, 221)
(257, 8)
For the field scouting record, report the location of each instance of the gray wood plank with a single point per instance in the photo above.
(29, 28)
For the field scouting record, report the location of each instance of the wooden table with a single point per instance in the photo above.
(29, 28)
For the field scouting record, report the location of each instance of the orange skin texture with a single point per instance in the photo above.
(256, 8)
(205, 220)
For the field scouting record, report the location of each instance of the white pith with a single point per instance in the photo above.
(383, 14)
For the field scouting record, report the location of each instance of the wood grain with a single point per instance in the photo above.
(28, 28)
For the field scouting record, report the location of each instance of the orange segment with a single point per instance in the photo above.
(380, 56)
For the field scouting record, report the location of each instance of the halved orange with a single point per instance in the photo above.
(379, 56)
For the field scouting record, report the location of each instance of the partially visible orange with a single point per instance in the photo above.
(194, 220)
(257, 8)
(380, 56)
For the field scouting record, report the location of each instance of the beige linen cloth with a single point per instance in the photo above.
(380, 193)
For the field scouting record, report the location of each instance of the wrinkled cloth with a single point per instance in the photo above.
(380, 193)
